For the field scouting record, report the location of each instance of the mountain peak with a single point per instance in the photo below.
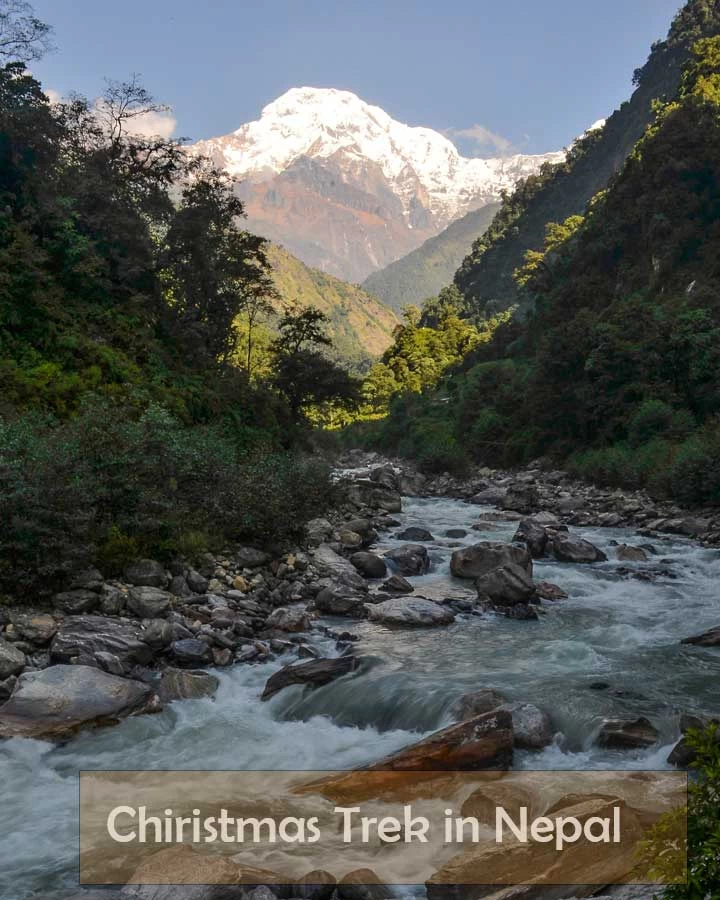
(373, 186)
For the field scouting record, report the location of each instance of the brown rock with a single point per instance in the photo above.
(481, 558)
(316, 672)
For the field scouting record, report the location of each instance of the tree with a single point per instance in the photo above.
(255, 305)
(302, 373)
(23, 37)
(211, 268)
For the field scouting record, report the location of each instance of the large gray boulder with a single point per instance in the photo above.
(476, 703)
(179, 684)
(191, 652)
(410, 559)
(146, 573)
(506, 586)
(331, 565)
(575, 550)
(481, 558)
(56, 701)
(289, 619)
(410, 612)
(532, 728)
(77, 602)
(12, 660)
(415, 533)
(81, 637)
(374, 496)
(534, 536)
(148, 602)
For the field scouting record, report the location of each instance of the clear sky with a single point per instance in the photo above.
(532, 74)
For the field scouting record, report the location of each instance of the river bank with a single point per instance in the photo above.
(597, 678)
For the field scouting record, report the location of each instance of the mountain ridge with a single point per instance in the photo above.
(347, 188)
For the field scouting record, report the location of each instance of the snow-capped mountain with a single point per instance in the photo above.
(349, 189)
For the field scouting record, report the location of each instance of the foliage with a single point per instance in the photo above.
(694, 876)
(616, 363)
(22, 35)
(113, 482)
(563, 190)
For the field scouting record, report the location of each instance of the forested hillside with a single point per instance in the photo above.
(559, 191)
(616, 369)
(427, 270)
(128, 423)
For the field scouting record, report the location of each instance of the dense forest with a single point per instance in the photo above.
(130, 419)
(613, 367)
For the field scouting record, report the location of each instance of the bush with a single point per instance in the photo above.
(115, 482)
(652, 418)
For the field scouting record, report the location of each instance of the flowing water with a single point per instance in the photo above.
(611, 648)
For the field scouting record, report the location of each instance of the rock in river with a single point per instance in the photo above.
(709, 638)
(478, 560)
(56, 701)
(331, 565)
(289, 619)
(369, 564)
(316, 672)
(179, 684)
(575, 550)
(396, 584)
(622, 734)
(415, 534)
(506, 585)
(410, 559)
(413, 612)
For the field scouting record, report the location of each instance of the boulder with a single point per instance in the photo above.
(709, 638)
(77, 602)
(316, 672)
(491, 496)
(456, 533)
(575, 550)
(36, 629)
(476, 703)
(196, 582)
(330, 564)
(341, 602)
(412, 484)
(534, 536)
(148, 602)
(374, 496)
(363, 884)
(625, 734)
(548, 591)
(191, 652)
(485, 742)
(12, 660)
(179, 587)
(369, 564)
(81, 637)
(506, 586)
(532, 727)
(146, 573)
(386, 476)
(396, 584)
(56, 701)
(157, 633)
(289, 619)
(364, 528)
(251, 557)
(481, 558)
(180, 684)
(410, 559)
(631, 554)
(522, 498)
(318, 531)
(410, 612)
(415, 533)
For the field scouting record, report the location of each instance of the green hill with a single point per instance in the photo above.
(360, 326)
(427, 270)
(557, 192)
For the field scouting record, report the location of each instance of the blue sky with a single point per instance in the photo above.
(533, 74)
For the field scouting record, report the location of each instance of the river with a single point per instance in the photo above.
(612, 648)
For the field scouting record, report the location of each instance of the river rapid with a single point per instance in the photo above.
(611, 649)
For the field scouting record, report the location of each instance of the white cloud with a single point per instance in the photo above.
(481, 139)
(152, 124)
(52, 95)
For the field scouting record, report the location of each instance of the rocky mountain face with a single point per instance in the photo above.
(348, 189)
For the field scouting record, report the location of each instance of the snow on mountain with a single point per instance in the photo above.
(349, 189)
(319, 122)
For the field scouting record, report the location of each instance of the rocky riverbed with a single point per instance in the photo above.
(546, 613)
